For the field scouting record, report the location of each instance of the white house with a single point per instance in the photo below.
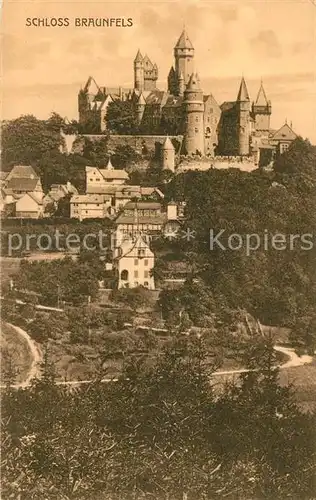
(89, 206)
(134, 264)
(29, 206)
(99, 179)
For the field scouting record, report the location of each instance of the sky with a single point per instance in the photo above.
(43, 68)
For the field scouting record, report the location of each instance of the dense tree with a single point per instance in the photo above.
(26, 139)
(121, 117)
(161, 431)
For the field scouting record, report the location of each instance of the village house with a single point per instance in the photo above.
(134, 263)
(29, 206)
(57, 192)
(89, 206)
(98, 180)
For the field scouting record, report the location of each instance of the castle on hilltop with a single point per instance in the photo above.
(235, 128)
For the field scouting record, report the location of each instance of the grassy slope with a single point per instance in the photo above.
(14, 347)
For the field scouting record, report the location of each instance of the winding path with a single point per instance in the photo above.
(293, 361)
(36, 355)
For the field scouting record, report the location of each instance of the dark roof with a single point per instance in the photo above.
(227, 105)
(22, 184)
(23, 171)
(142, 205)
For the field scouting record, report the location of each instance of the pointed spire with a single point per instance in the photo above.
(109, 165)
(139, 57)
(262, 97)
(167, 145)
(141, 99)
(184, 41)
(194, 82)
(243, 92)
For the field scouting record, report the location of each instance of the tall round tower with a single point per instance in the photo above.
(193, 108)
(168, 154)
(184, 57)
(138, 72)
(243, 119)
(140, 108)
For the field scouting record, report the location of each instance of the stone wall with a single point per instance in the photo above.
(219, 162)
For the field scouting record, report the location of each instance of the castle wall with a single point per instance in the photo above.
(221, 162)
(138, 142)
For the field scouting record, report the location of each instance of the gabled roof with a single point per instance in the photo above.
(261, 97)
(113, 173)
(129, 245)
(184, 42)
(243, 91)
(285, 133)
(148, 191)
(23, 171)
(22, 184)
(89, 198)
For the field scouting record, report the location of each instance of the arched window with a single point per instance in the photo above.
(124, 275)
(208, 130)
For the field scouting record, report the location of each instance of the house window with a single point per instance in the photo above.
(135, 262)
(124, 275)
(141, 253)
(145, 274)
(146, 262)
(135, 274)
(145, 283)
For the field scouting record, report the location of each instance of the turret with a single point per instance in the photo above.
(181, 85)
(168, 155)
(184, 57)
(140, 108)
(193, 108)
(150, 74)
(261, 110)
(138, 72)
(243, 111)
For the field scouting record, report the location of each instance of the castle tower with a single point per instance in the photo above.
(243, 117)
(140, 108)
(150, 74)
(193, 108)
(138, 72)
(181, 85)
(261, 111)
(168, 155)
(184, 57)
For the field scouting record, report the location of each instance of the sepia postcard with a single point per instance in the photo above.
(158, 250)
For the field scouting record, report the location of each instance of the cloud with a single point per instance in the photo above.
(266, 44)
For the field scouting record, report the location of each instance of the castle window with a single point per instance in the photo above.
(141, 253)
(135, 274)
(197, 119)
(135, 262)
(146, 262)
(146, 283)
(196, 130)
